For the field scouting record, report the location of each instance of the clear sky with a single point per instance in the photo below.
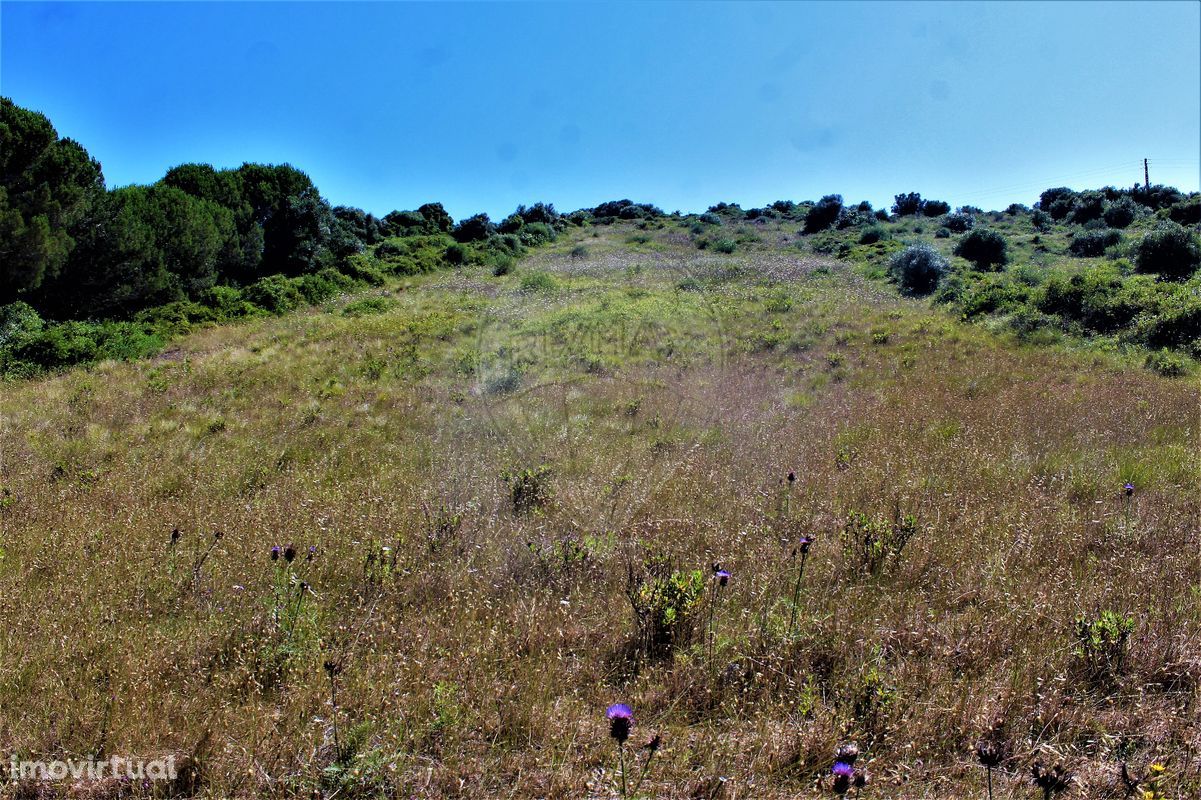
(485, 106)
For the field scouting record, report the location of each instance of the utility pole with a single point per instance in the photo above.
(1146, 176)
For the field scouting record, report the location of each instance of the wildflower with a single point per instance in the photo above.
(844, 774)
(1051, 781)
(792, 477)
(289, 554)
(332, 667)
(987, 754)
(722, 576)
(860, 779)
(804, 543)
(175, 534)
(275, 551)
(621, 719)
(312, 552)
(654, 743)
(847, 753)
(1129, 489)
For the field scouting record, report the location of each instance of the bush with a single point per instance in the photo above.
(1091, 244)
(908, 205)
(1167, 364)
(709, 218)
(726, 246)
(1170, 250)
(1041, 221)
(1088, 207)
(274, 294)
(942, 233)
(824, 214)
(533, 282)
(1057, 202)
(457, 254)
(1187, 211)
(935, 208)
(1016, 208)
(873, 234)
(474, 229)
(984, 248)
(1121, 213)
(959, 222)
(918, 269)
(537, 233)
(501, 263)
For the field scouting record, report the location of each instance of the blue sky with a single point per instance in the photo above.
(485, 106)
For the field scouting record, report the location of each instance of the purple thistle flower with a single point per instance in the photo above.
(805, 543)
(312, 552)
(1129, 489)
(843, 773)
(621, 719)
(275, 551)
(289, 554)
(722, 576)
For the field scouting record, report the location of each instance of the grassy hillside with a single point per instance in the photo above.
(515, 488)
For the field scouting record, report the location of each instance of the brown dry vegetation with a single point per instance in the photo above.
(667, 393)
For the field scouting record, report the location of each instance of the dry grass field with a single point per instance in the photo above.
(506, 496)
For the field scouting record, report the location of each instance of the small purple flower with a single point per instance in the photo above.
(289, 554)
(621, 719)
(843, 773)
(722, 576)
(275, 551)
(805, 543)
(1129, 489)
(312, 552)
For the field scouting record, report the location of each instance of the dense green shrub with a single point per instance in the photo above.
(726, 246)
(1041, 220)
(908, 205)
(959, 222)
(1167, 363)
(1087, 207)
(274, 294)
(942, 233)
(1120, 213)
(537, 233)
(474, 229)
(824, 214)
(1058, 202)
(984, 248)
(1170, 250)
(1187, 211)
(1097, 299)
(935, 208)
(1093, 243)
(1016, 208)
(918, 269)
(873, 234)
(457, 254)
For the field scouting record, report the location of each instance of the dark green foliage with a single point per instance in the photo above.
(984, 248)
(873, 234)
(935, 208)
(511, 224)
(1167, 363)
(274, 294)
(296, 238)
(537, 233)
(48, 186)
(1057, 202)
(474, 229)
(1088, 206)
(1041, 220)
(1097, 298)
(942, 233)
(959, 222)
(436, 217)
(539, 212)
(908, 205)
(1120, 213)
(824, 214)
(1187, 211)
(1016, 208)
(725, 246)
(606, 213)
(1156, 197)
(1170, 250)
(918, 269)
(457, 254)
(1093, 243)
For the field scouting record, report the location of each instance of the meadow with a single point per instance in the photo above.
(414, 540)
